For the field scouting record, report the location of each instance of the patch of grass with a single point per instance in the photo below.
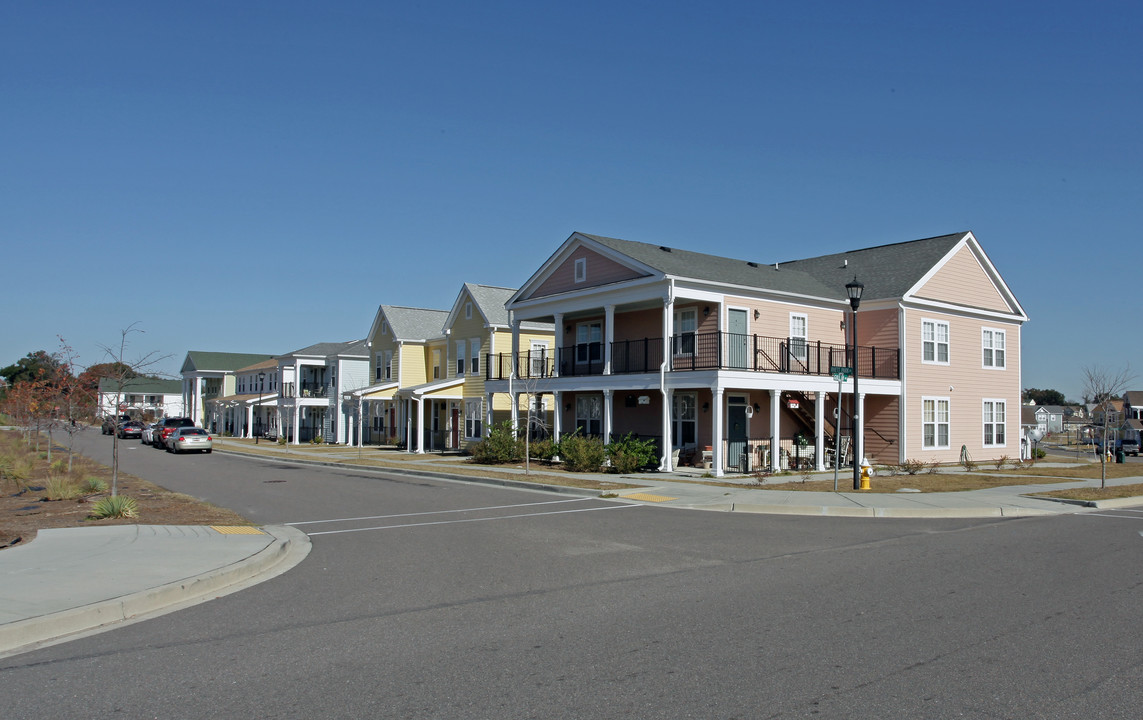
(1108, 493)
(941, 482)
(58, 487)
(93, 485)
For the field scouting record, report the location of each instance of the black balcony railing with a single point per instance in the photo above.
(702, 351)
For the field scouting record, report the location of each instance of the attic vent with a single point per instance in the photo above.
(751, 263)
(664, 248)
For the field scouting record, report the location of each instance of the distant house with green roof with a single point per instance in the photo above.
(209, 375)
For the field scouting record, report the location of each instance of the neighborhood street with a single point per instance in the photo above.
(435, 599)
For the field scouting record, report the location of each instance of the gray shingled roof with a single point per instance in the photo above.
(199, 360)
(323, 349)
(409, 323)
(887, 271)
(492, 300)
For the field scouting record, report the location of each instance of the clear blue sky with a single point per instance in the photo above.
(260, 176)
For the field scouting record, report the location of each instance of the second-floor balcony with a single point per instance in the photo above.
(700, 351)
(307, 390)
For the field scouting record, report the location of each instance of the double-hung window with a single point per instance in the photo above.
(935, 423)
(993, 416)
(992, 343)
(437, 364)
(388, 364)
(686, 322)
(589, 342)
(474, 355)
(460, 345)
(379, 371)
(935, 342)
(472, 418)
(589, 414)
(684, 420)
(799, 332)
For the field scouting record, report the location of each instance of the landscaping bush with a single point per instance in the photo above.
(629, 453)
(912, 467)
(500, 446)
(94, 485)
(544, 449)
(582, 454)
(116, 506)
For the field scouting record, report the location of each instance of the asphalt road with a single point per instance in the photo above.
(433, 599)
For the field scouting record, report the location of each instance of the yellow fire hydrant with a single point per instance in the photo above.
(866, 471)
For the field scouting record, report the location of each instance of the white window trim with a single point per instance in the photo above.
(461, 357)
(588, 343)
(474, 356)
(995, 332)
(473, 420)
(936, 342)
(936, 422)
(805, 338)
(580, 270)
(1004, 425)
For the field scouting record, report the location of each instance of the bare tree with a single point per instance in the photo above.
(1104, 386)
(70, 396)
(124, 371)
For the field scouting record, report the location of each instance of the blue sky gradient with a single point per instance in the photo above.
(260, 176)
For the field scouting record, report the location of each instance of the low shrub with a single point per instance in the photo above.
(60, 488)
(582, 454)
(93, 485)
(544, 449)
(282, 440)
(912, 467)
(629, 453)
(317, 440)
(1001, 462)
(500, 446)
(116, 506)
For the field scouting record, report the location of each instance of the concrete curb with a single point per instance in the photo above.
(289, 547)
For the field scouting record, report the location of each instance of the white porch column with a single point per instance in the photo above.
(859, 441)
(297, 422)
(717, 459)
(515, 399)
(668, 447)
(559, 343)
(281, 428)
(557, 414)
(608, 406)
(249, 421)
(608, 336)
(514, 361)
(487, 414)
(198, 408)
(421, 425)
(775, 435)
(819, 431)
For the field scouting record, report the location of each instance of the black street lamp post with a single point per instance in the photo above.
(261, 387)
(854, 290)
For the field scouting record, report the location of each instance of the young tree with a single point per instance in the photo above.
(123, 371)
(72, 397)
(1104, 386)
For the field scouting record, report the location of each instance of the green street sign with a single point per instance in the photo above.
(840, 372)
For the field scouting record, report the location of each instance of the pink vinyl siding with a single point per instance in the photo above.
(963, 281)
(600, 271)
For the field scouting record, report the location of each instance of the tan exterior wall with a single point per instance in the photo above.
(965, 383)
(600, 271)
(963, 277)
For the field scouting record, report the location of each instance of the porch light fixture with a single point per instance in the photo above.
(706, 311)
(854, 290)
(706, 407)
(757, 407)
(261, 386)
(757, 314)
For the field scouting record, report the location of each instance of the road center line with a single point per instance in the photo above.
(471, 520)
(437, 512)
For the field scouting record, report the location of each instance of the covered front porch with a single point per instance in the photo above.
(433, 415)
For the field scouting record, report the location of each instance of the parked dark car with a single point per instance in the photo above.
(111, 423)
(1129, 446)
(131, 429)
(166, 427)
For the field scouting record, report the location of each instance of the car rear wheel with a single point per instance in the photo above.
(208, 451)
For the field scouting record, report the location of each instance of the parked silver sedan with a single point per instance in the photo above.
(188, 439)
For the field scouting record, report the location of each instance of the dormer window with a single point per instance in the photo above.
(384, 327)
(468, 311)
(581, 270)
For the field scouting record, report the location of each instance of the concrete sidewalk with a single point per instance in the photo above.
(73, 581)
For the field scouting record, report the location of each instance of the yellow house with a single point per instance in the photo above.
(451, 409)
(401, 345)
